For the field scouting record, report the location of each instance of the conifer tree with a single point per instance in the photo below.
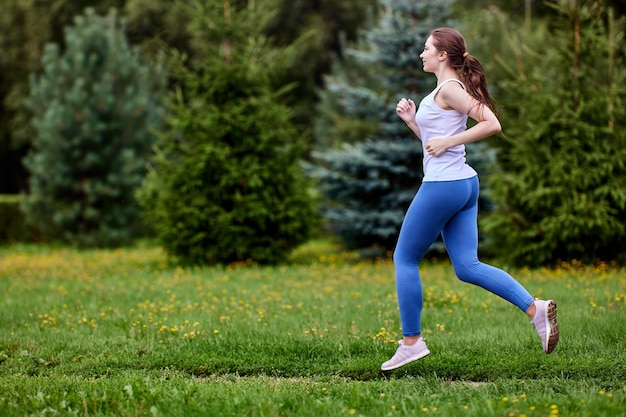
(27, 26)
(561, 191)
(370, 179)
(95, 106)
(226, 185)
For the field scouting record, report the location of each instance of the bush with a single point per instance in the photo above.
(226, 184)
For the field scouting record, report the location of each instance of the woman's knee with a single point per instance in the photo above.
(466, 271)
(399, 257)
(404, 260)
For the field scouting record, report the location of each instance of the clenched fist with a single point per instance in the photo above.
(406, 110)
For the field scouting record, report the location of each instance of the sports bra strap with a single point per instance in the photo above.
(451, 79)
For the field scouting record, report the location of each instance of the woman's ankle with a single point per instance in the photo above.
(530, 312)
(410, 340)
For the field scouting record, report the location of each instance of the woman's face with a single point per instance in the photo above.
(430, 56)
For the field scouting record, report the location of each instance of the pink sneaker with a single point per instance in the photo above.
(546, 325)
(406, 354)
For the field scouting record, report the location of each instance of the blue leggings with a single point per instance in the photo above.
(449, 208)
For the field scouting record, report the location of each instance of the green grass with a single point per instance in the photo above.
(123, 332)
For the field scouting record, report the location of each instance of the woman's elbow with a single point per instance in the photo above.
(495, 127)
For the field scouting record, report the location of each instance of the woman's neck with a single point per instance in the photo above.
(446, 74)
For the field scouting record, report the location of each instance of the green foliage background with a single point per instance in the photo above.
(26, 26)
(552, 201)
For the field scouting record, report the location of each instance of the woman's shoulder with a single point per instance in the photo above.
(449, 93)
(451, 84)
(452, 90)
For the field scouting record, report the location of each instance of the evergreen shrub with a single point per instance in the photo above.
(560, 191)
(227, 185)
(95, 107)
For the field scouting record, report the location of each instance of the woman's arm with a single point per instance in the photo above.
(453, 96)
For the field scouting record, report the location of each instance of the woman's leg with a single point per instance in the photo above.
(432, 207)
(460, 236)
(461, 239)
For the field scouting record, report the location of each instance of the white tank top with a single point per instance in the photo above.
(435, 122)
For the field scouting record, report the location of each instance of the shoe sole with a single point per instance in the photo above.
(408, 360)
(552, 326)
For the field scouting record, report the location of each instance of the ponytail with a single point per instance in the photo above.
(469, 68)
(473, 76)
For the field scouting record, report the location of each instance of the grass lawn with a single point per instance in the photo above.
(123, 332)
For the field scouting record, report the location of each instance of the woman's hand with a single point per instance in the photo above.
(437, 147)
(406, 110)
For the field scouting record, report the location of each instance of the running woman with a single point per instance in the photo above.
(447, 200)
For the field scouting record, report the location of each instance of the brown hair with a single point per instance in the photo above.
(469, 68)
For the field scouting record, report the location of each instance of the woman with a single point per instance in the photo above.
(447, 201)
